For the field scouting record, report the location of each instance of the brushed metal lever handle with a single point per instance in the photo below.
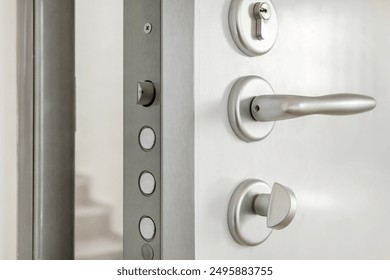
(253, 107)
(266, 108)
(255, 210)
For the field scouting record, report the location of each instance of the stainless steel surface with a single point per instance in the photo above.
(146, 93)
(47, 121)
(54, 123)
(253, 26)
(241, 121)
(142, 62)
(178, 120)
(25, 79)
(147, 183)
(279, 207)
(147, 138)
(282, 107)
(247, 228)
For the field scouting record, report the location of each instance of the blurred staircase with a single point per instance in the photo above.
(93, 238)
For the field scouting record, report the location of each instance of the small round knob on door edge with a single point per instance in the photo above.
(254, 212)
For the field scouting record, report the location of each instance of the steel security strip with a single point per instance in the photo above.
(142, 129)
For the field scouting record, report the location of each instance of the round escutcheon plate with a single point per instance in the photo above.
(246, 227)
(243, 27)
(239, 109)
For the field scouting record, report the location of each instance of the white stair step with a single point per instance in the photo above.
(100, 248)
(91, 220)
(93, 237)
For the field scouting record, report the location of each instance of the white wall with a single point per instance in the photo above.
(7, 129)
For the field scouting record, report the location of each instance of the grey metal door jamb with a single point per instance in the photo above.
(46, 113)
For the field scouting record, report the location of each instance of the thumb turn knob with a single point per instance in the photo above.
(279, 207)
(255, 210)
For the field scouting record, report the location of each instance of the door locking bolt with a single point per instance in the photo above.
(146, 93)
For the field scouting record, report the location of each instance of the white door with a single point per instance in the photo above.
(336, 166)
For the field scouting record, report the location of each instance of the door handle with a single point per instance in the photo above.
(252, 116)
(282, 107)
(254, 212)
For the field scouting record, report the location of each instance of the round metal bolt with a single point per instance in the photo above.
(147, 228)
(147, 183)
(257, 108)
(148, 28)
(265, 11)
(147, 252)
(147, 138)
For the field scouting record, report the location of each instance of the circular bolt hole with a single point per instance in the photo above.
(257, 108)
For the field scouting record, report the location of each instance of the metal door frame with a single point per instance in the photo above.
(46, 130)
(46, 100)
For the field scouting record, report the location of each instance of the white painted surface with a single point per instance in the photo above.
(338, 167)
(7, 129)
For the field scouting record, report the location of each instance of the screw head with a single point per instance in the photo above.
(148, 28)
(265, 11)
